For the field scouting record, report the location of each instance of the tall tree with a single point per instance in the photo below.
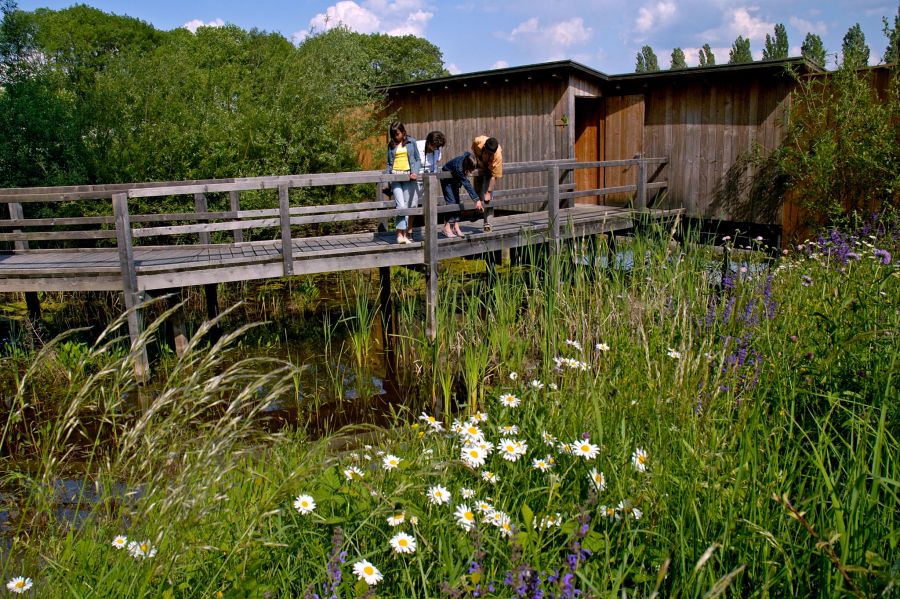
(892, 52)
(813, 50)
(776, 47)
(707, 58)
(646, 61)
(740, 51)
(678, 61)
(854, 50)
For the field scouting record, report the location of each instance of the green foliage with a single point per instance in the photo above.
(842, 148)
(707, 58)
(740, 51)
(678, 61)
(646, 61)
(776, 47)
(854, 50)
(892, 51)
(813, 50)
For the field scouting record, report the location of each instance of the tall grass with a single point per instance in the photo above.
(765, 401)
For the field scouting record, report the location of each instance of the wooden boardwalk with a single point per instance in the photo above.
(137, 253)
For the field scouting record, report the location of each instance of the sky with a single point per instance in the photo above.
(476, 36)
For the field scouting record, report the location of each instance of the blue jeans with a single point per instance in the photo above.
(403, 192)
(451, 189)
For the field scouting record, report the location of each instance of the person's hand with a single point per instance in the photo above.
(413, 176)
(479, 206)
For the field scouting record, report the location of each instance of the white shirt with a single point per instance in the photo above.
(429, 161)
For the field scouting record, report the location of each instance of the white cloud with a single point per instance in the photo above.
(400, 17)
(500, 64)
(553, 37)
(569, 33)
(819, 27)
(654, 15)
(527, 28)
(743, 23)
(195, 24)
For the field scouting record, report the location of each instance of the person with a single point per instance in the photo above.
(430, 151)
(460, 168)
(489, 155)
(402, 158)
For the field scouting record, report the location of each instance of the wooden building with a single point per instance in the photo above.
(705, 120)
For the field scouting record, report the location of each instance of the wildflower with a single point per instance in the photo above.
(353, 472)
(120, 542)
(536, 385)
(806, 281)
(473, 456)
(573, 343)
(513, 376)
(726, 238)
(598, 479)
(510, 401)
(673, 353)
(626, 508)
(467, 493)
(884, 255)
(438, 495)
(414, 520)
(497, 518)
(433, 423)
(759, 239)
(19, 584)
(478, 417)
(484, 506)
(364, 570)
(602, 347)
(471, 432)
(509, 429)
(512, 449)
(609, 511)
(639, 459)
(549, 520)
(554, 387)
(541, 464)
(490, 477)
(506, 528)
(548, 438)
(585, 449)
(304, 504)
(397, 519)
(390, 462)
(141, 550)
(464, 517)
(403, 543)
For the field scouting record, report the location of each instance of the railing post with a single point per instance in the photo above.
(130, 292)
(202, 210)
(553, 208)
(640, 198)
(235, 205)
(16, 213)
(32, 301)
(431, 255)
(287, 245)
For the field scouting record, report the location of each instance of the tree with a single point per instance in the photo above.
(776, 47)
(740, 51)
(678, 61)
(813, 50)
(892, 52)
(646, 61)
(854, 50)
(707, 58)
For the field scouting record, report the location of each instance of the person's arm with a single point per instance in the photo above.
(390, 160)
(415, 161)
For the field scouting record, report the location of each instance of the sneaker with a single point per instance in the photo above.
(487, 227)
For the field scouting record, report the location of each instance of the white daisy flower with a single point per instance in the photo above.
(510, 401)
(537, 385)
(512, 449)
(609, 511)
(625, 508)
(464, 517)
(467, 493)
(364, 570)
(390, 462)
(597, 479)
(488, 476)
(585, 449)
(497, 518)
(548, 521)
(304, 504)
(673, 353)
(602, 347)
(573, 343)
(414, 520)
(479, 417)
(120, 542)
(473, 456)
(433, 423)
(506, 528)
(403, 543)
(487, 446)
(19, 584)
(548, 438)
(141, 550)
(565, 448)
(513, 376)
(553, 386)
(484, 507)
(640, 459)
(471, 433)
(541, 464)
(438, 495)
(353, 472)
(509, 429)
(397, 519)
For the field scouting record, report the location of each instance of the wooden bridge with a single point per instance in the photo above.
(139, 253)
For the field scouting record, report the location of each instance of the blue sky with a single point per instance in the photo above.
(475, 36)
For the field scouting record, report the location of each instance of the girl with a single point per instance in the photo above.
(402, 158)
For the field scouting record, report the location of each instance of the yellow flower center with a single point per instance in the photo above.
(468, 516)
(369, 570)
(642, 459)
(20, 584)
(403, 543)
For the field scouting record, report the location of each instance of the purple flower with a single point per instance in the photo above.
(806, 280)
(884, 255)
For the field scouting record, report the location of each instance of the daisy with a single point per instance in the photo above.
(548, 438)
(471, 433)
(486, 446)
(484, 507)
(397, 519)
(639, 459)
(509, 429)
(585, 449)
(433, 423)
(511, 449)
(479, 417)
(602, 347)
(506, 528)
(573, 343)
(390, 462)
(353, 472)
(673, 353)
(541, 464)
(467, 493)
(598, 479)
(488, 476)
(513, 376)
(414, 520)
(464, 517)
(141, 550)
(19, 584)
(473, 456)
(497, 518)
(553, 386)
(403, 543)
(304, 504)
(509, 400)
(537, 385)
(364, 570)
(438, 495)
(609, 511)
(120, 542)
(627, 509)
(549, 520)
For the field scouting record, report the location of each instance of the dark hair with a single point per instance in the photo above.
(436, 139)
(395, 127)
(469, 163)
(490, 145)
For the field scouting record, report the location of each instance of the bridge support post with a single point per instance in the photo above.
(176, 322)
(32, 302)
(211, 293)
(431, 256)
(133, 297)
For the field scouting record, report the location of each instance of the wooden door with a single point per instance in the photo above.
(623, 137)
(588, 145)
